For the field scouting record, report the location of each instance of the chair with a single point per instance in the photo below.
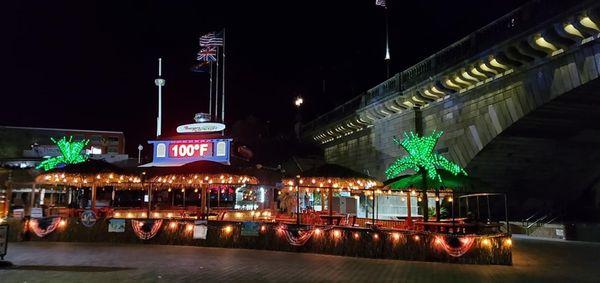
(349, 220)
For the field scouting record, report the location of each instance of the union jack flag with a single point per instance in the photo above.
(207, 54)
(212, 39)
(381, 3)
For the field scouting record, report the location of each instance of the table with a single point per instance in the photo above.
(330, 218)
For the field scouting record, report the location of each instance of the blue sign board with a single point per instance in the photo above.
(250, 228)
(186, 151)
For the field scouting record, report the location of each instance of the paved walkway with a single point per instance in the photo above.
(534, 261)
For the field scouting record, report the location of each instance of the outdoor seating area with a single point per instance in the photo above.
(211, 203)
(296, 225)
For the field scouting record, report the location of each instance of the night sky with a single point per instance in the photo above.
(91, 65)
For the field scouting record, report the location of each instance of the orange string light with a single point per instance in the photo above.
(337, 233)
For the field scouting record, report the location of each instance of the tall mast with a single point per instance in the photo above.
(159, 82)
(217, 89)
(210, 74)
(387, 44)
(223, 80)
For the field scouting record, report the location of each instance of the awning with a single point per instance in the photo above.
(165, 164)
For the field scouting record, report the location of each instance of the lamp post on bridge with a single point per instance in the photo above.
(298, 101)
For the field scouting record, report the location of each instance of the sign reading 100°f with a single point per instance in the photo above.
(185, 151)
(182, 150)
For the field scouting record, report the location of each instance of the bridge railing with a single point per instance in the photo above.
(506, 27)
(389, 86)
(337, 113)
(511, 25)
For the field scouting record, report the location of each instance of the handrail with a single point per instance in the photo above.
(551, 220)
(526, 220)
(537, 221)
(482, 195)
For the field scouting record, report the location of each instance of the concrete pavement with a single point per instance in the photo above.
(534, 261)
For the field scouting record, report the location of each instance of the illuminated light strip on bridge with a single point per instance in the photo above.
(484, 67)
(469, 77)
(494, 62)
(478, 73)
(588, 23)
(428, 93)
(572, 30)
(452, 84)
(542, 42)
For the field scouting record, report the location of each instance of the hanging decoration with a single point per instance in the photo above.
(454, 246)
(299, 238)
(146, 229)
(421, 155)
(44, 226)
(70, 153)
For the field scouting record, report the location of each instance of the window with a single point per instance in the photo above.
(161, 150)
(112, 140)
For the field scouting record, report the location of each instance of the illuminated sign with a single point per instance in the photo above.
(185, 151)
(179, 150)
(201, 127)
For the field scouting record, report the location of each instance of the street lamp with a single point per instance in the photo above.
(298, 101)
(140, 147)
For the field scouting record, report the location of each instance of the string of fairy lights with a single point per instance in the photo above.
(78, 180)
(186, 228)
(120, 179)
(325, 182)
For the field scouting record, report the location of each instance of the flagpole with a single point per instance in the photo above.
(217, 89)
(223, 80)
(211, 89)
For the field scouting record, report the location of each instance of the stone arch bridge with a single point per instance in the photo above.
(518, 100)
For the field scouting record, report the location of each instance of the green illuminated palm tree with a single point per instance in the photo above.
(70, 153)
(422, 159)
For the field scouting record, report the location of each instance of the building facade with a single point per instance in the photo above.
(23, 148)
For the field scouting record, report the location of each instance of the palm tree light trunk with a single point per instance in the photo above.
(424, 206)
(437, 205)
